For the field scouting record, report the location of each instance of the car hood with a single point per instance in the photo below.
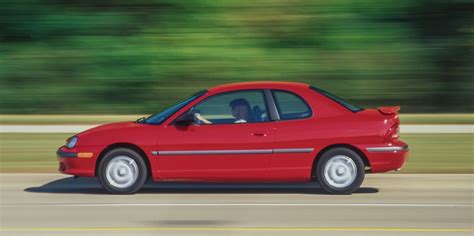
(109, 127)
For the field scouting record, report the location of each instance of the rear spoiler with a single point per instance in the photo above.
(389, 110)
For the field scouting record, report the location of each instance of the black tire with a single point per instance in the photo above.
(141, 176)
(332, 153)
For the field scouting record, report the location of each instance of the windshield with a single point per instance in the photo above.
(346, 104)
(158, 118)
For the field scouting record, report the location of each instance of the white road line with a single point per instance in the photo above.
(404, 129)
(44, 128)
(35, 174)
(442, 129)
(243, 204)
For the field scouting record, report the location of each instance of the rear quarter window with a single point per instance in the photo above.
(291, 106)
(342, 102)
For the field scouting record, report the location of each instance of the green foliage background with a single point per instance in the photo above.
(122, 56)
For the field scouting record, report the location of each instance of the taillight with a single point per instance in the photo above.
(396, 134)
(393, 133)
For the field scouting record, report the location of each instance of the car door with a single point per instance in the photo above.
(294, 138)
(228, 148)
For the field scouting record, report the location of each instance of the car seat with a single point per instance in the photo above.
(258, 114)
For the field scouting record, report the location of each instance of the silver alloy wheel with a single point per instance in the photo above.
(121, 172)
(340, 171)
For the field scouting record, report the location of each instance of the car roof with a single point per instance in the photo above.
(257, 85)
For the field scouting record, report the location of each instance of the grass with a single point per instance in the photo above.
(430, 153)
(101, 119)
(29, 152)
(437, 118)
(440, 153)
(65, 119)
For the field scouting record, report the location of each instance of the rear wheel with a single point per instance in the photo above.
(122, 171)
(340, 171)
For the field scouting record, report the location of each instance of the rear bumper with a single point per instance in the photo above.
(74, 162)
(383, 158)
(388, 149)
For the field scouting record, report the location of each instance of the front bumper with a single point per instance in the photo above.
(65, 154)
(76, 162)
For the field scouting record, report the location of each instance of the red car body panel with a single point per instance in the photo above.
(241, 167)
(370, 132)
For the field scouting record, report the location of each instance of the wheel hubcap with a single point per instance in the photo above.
(340, 171)
(122, 172)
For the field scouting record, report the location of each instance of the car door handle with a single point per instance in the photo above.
(260, 133)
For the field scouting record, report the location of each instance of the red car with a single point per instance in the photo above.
(243, 132)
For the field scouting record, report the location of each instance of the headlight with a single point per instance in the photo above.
(71, 143)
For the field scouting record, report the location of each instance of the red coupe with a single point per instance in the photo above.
(243, 132)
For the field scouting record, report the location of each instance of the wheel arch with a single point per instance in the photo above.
(339, 145)
(123, 145)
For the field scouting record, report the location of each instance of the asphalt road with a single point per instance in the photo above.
(388, 204)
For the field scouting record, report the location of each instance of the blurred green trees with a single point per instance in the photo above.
(121, 56)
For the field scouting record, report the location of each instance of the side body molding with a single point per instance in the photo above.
(223, 152)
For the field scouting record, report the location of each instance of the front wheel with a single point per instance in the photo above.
(340, 171)
(122, 171)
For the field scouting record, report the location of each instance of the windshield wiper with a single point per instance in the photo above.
(141, 120)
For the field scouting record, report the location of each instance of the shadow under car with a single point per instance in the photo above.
(92, 186)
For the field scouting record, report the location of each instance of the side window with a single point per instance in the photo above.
(232, 107)
(290, 106)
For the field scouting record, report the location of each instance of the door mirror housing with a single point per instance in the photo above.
(186, 119)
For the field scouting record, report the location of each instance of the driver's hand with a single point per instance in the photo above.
(201, 118)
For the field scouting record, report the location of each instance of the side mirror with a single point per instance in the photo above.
(185, 119)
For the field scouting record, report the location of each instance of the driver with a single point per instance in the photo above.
(240, 110)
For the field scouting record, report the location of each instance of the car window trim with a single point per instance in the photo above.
(196, 95)
(338, 100)
(271, 105)
(228, 92)
(277, 106)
